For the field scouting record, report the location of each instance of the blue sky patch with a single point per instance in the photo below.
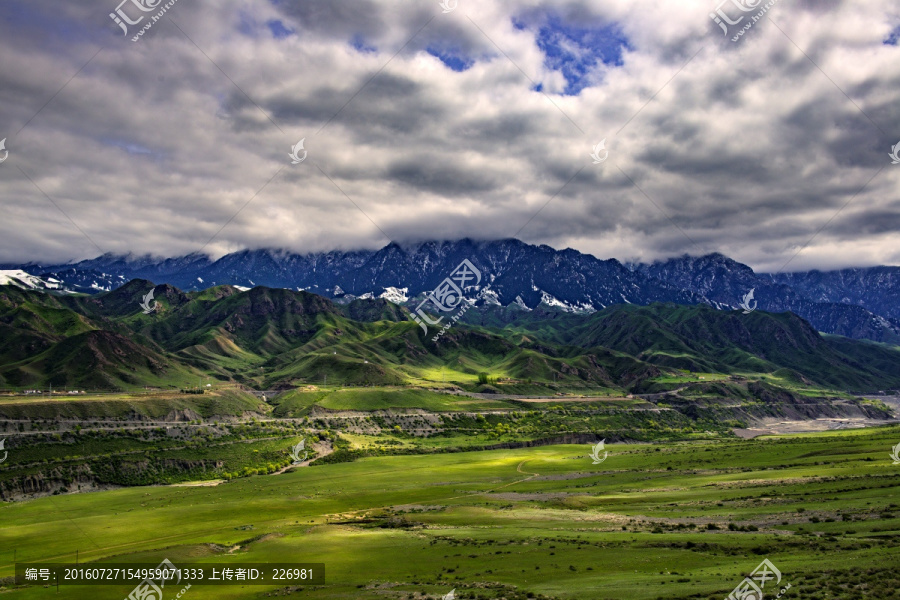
(893, 38)
(361, 46)
(48, 25)
(278, 29)
(129, 147)
(452, 58)
(576, 50)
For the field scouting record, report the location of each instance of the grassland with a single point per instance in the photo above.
(224, 401)
(298, 402)
(168, 437)
(679, 520)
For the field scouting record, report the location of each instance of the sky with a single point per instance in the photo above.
(629, 129)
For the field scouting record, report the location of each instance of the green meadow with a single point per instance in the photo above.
(223, 401)
(679, 520)
(296, 403)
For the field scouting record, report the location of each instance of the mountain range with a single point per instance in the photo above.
(855, 303)
(274, 337)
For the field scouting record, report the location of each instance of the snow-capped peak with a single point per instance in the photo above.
(395, 295)
(521, 303)
(581, 307)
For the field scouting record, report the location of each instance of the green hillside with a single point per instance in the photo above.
(279, 338)
(702, 339)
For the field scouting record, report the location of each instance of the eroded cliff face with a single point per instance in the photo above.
(55, 480)
(96, 475)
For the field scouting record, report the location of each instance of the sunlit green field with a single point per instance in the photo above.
(218, 402)
(297, 402)
(651, 521)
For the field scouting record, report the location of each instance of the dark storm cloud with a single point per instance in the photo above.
(432, 174)
(337, 18)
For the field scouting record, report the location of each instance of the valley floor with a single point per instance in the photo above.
(777, 427)
(671, 520)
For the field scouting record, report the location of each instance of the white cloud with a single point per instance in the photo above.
(749, 150)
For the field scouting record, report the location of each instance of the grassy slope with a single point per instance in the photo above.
(44, 342)
(700, 338)
(297, 403)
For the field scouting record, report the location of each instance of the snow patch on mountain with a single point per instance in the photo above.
(520, 303)
(580, 307)
(881, 321)
(22, 279)
(395, 295)
(491, 297)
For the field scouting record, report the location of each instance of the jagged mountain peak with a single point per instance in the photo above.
(520, 274)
